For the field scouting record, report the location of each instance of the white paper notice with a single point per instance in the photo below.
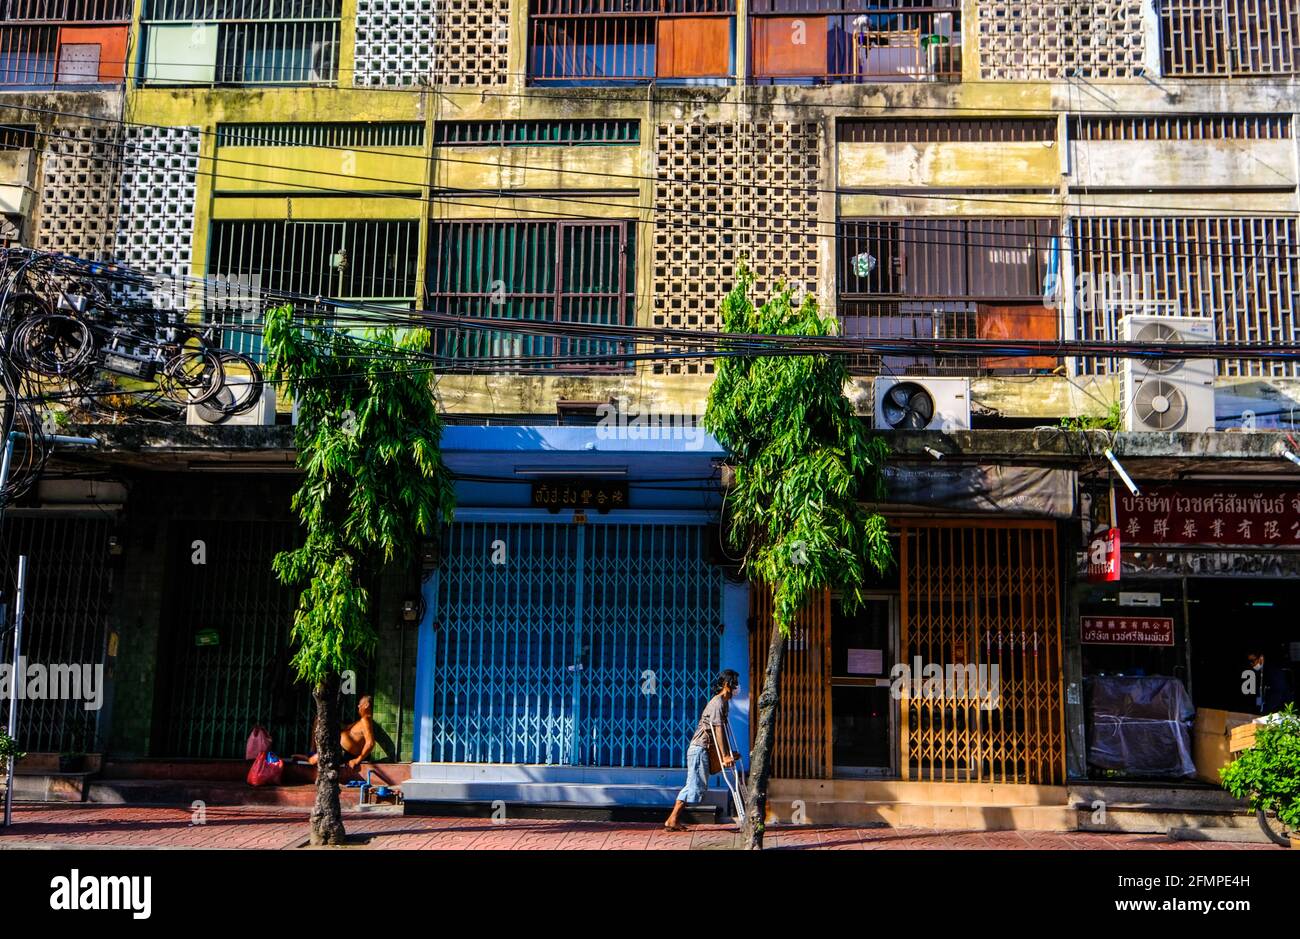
(866, 661)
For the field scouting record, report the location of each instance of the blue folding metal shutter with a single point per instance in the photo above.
(583, 645)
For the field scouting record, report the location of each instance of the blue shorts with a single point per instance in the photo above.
(697, 776)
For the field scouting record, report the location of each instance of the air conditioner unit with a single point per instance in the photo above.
(324, 61)
(1167, 394)
(922, 403)
(261, 414)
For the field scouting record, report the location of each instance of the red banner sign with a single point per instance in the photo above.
(1103, 558)
(1127, 630)
(1211, 515)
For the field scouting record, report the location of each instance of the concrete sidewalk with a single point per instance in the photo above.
(97, 826)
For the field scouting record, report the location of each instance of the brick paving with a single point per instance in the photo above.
(90, 826)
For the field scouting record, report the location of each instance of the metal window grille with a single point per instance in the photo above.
(536, 133)
(946, 131)
(17, 136)
(29, 55)
(259, 42)
(892, 40)
(936, 279)
(580, 273)
(66, 11)
(377, 134)
(605, 40)
(1183, 127)
(360, 261)
(69, 594)
(1209, 38)
(1243, 272)
(544, 660)
(984, 597)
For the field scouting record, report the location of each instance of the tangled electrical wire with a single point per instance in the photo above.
(75, 332)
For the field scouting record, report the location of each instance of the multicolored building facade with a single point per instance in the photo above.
(983, 169)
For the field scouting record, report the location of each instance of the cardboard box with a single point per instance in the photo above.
(1212, 741)
(1242, 738)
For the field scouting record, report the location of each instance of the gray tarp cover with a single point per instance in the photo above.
(1141, 726)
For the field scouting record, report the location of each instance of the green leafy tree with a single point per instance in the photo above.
(803, 460)
(374, 482)
(1268, 774)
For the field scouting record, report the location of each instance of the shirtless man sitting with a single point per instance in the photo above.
(357, 741)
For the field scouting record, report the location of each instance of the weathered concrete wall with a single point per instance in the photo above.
(1148, 178)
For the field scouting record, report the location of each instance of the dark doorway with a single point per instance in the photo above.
(1230, 618)
(863, 651)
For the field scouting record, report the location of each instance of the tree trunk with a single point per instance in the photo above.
(326, 813)
(760, 756)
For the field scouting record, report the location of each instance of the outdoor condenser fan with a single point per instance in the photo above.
(1153, 333)
(907, 406)
(1160, 405)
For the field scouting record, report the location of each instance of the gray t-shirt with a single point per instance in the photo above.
(715, 715)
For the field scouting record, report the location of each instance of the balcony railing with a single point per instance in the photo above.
(846, 41)
(240, 42)
(50, 43)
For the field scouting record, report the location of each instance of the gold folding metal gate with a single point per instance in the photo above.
(986, 596)
(802, 745)
(984, 599)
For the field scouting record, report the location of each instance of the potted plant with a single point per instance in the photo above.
(1268, 774)
(8, 748)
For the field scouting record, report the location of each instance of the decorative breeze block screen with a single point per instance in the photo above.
(156, 210)
(79, 191)
(472, 43)
(728, 191)
(1041, 40)
(395, 42)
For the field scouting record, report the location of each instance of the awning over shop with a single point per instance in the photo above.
(1017, 490)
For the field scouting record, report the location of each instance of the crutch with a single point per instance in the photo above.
(732, 781)
(738, 771)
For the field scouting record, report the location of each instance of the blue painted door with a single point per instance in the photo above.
(573, 644)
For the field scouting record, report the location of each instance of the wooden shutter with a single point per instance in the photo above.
(693, 47)
(777, 54)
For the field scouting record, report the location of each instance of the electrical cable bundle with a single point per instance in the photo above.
(70, 335)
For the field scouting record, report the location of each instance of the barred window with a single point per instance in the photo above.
(981, 278)
(240, 42)
(576, 273)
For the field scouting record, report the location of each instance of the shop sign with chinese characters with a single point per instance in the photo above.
(1126, 630)
(1211, 515)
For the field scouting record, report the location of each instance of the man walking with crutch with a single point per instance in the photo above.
(712, 738)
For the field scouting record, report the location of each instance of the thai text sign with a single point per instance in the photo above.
(1127, 630)
(1211, 515)
(598, 494)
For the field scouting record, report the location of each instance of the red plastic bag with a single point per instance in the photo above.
(266, 770)
(259, 741)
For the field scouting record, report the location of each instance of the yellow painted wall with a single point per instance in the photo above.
(279, 169)
(1032, 164)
